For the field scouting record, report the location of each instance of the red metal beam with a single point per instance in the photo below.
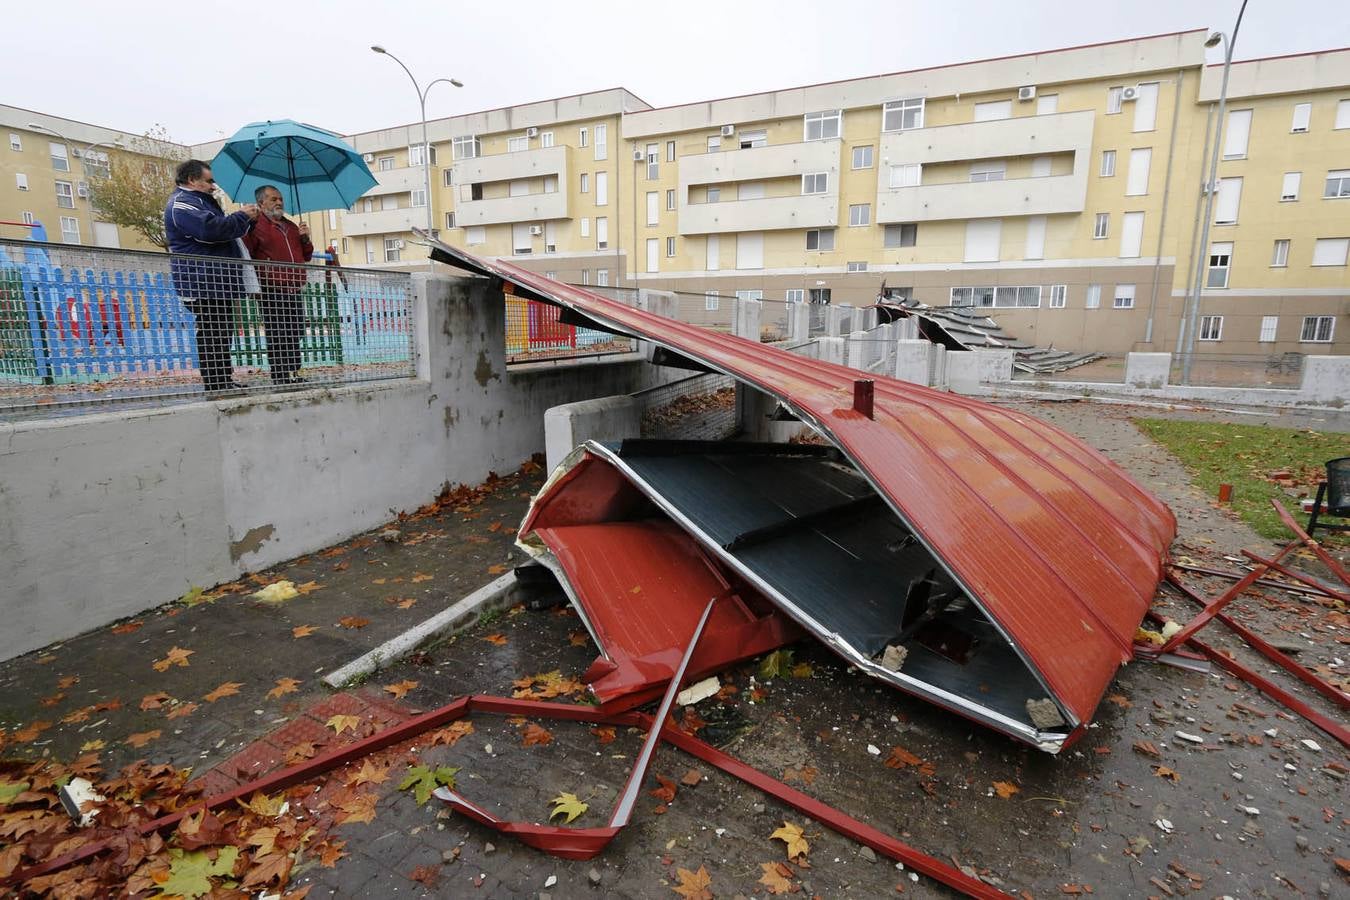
(1311, 544)
(1262, 582)
(1215, 606)
(1299, 576)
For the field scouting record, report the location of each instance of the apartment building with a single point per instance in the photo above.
(1059, 190)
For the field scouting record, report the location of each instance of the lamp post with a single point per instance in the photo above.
(1210, 186)
(81, 156)
(422, 101)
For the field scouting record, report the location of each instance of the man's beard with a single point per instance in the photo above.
(276, 215)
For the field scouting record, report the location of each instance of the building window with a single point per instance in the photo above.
(1220, 259)
(993, 111)
(96, 164)
(906, 175)
(21, 181)
(393, 249)
(601, 188)
(419, 197)
(712, 300)
(670, 247)
(475, 234)
(749, 295)
(901, 235)
(602, 142)
(1317, 329)
(653, 162)
(601, 275)
(1236, 134)
(1124, 298)
(388, 201)
(1102, 226)
(15, 142)
(1290, 185)
(820, 239)
(748, 140)
(815, 183)
(1211, 328)
(1302, 118)
(859, 214)
(713, 195)
(517, 144)
(585, 182)
(1113, 100)
(1342, 114)
(551, 275)
(989, 170)
(902, 115)
(449, 220)
(584, 137)
(1338, 184)
(466, 147)
(714, 143)
(862, 157)
(27, 217)
(860, 266)
(1268, 326)
(670, 199)
(65, 195)
(1094, 296)
(1280, 258)
(415, 157)
(448, 178)
(60, 156)
(794, 295)
(1229, 198)
(653, 209)
(819, 295)
(546, 139)
(1330, 251)
(585, 276)
(1108, 163)
(385, 164)
(670, 151)
(602, 233)
(1058, 294)
(550, 237)
(820, 126)
(70, 229)
(1136, 180)
(1047, 104)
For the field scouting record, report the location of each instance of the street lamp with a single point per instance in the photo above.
(1210, 185)
(422, 100)
(81, 156)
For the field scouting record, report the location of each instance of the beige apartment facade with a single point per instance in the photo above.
(1058, 191)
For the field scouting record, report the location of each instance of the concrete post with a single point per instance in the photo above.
(601, 419)
(746, 323)
(834, 319)
(1326, 380)
(831, 349)
(662, 303)
(1147, 370)
(913, 361)
(907, 329)
(859, 347)
(969, 371)
(937, 368)
(869, 319)
(799, 321)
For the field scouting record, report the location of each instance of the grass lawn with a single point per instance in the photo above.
(1247, 456)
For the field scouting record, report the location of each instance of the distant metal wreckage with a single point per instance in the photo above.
(967, 554)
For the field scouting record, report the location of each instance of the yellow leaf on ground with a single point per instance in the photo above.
(1164, 772)
(353, 622)
(228, 689)
(341, 723)
(263, 805)
(419, 577)
(406, 603)
(568, 805)
(775, 879)
(301, 631)
(284, 686)
(496, 570)
(176, 656)
(277, 592)
(369, 773)
(308, 587)
(358, 808)
(400, 689)
(1006, 789)
(87, 746)
(694, 885)
(451, 733)
(791, 835)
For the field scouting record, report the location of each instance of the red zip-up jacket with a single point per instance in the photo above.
(279, 241)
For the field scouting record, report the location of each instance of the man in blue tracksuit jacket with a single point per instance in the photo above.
(195, 224)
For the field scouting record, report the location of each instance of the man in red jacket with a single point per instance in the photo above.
(277, 239)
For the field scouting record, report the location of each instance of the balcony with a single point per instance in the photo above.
(518, 166)
(399, 181)
(384, 221)
(1026, 136)
(760, 164)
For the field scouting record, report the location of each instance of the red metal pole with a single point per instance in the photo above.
(1215, 606)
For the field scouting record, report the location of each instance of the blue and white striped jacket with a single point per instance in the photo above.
(195, 224)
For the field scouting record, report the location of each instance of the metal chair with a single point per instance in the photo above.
(1336, 492)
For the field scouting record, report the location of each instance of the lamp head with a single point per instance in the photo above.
(456, 82)
(36, 127)
(378, 49)
(1213, 39)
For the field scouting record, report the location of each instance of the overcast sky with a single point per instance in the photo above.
(202, 74)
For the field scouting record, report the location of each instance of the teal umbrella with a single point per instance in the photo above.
(314, 169)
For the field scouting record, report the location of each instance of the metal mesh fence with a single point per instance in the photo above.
(81, 325)
(701, 407)
(536, 332)
(1278, 371)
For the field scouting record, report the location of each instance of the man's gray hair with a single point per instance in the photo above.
(258, 194)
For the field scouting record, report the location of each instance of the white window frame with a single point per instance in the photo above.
(1123, 297)
(670, 247)
(15, 142)
(988, 170)
(602, 232)
(1058, 295)
(1270, 325)
(1310, 335)
(653, 209)
(449, 220)
(1108, 169)
(61, 160)
(68, 194)
(712, 195)
(1101, 226)
(670, 151)
(1279, 257)
(856, 266)
(901, 230)
(448, 178)
(27, 217)
(714, 143)
(583, 136)
(859, 215)
(585, 226)
(1115, 103)
(602, 141)
(1093, 299)
(1237, 133)
(993, 111)
(1342, 115)
(653, 161)
(546, 139)
(795, 295)
(1047, 104)
(749, 140)
(866, 152)
(517, 143)
(392, 251)
(417, 197)
(750, 295)
(1302, 119)
(1325, 249)
(70, 228)
(1220, 193)
(585, 276)
(1211, 328)
(584, 183)
(1136, 179)
(21, 180)
(415, 152)
(466, 146)
(1337, 185)
(384, 164)
(670, 199)
(894, 114)
(602, 188)
(1290, 186)
(1220, 264)
(712, 301)
(601, 275)
(904, 175)
(815, 183)
(823, 236)
(829, 125)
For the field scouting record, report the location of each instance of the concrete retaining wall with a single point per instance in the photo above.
(107, 515)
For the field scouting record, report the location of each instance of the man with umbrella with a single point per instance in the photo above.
(277, 239)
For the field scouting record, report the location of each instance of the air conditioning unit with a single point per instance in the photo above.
(531, 132)
(82, 189)
(398, 244)
(536, 230)
(728, 130)
(638, 155)
(1027, 93)
(368, 157)
(1129, 93)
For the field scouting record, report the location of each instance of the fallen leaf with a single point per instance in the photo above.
(579, 639)
(182, 709)
(11, 789)
(401, 688)
(666, 792)
(340, 723)
(330, 851)
(427, 875)
(267, 869)
(535, 734)
(369, 773)
(694, 885)
(301, 631)
(419, 577)
(423, 780)
(901, 758)
(154, 701)
(546, 686)
(353, 622)
(87, 746)
(495, 526)
(176, 656)
(68, 682)
(451, 733)
(1164, 772)
(1147, 749)
(605, 734)
(52, 700)
(406, 603)
(342, 566)
(1120, 700)
(140, 739)
(806, 774)
(496, 638)
(264, 839)
(568, 805)
(691, 778)
(284, 686)
(277, 592)
(379, 581)
(32, 730)
(127, 627)
(228, 689)
(190, 872)
(301, 752)
(791, 835)
(776, 665)
(775, 879)
(263, 805)
(308, 587)
(496, 570)
(1006, 789)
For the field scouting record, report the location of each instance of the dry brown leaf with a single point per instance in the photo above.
(452, 733)
(694, 885)
(340, 723)
(1120, 700)
(52, 700)
(127, 627)
(1147, 749)
(182, 709)
(228, 689)
(775, 879)
(89, 746)
(666, 792)
(176, 656)
(495, 526)
(140, 739)
(353, 622)
(300, 752)
(605, 734)
(1164, 772)
(496, 638)
(67, 682)
(308, 587)
(284, 686)
(419, 577)
(357, 808)
(1006, 789)
(427, 875)
(579, 639)
(691, 778)
(535, 734)
(154, 701)
(498, 569)
(401, 688)
(301, 631)
(406, 603)
(369, 773)
(30, 731)
(329, 851)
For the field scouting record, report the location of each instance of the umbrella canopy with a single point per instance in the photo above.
(314, 169)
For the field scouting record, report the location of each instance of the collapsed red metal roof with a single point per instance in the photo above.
(1059, 546)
